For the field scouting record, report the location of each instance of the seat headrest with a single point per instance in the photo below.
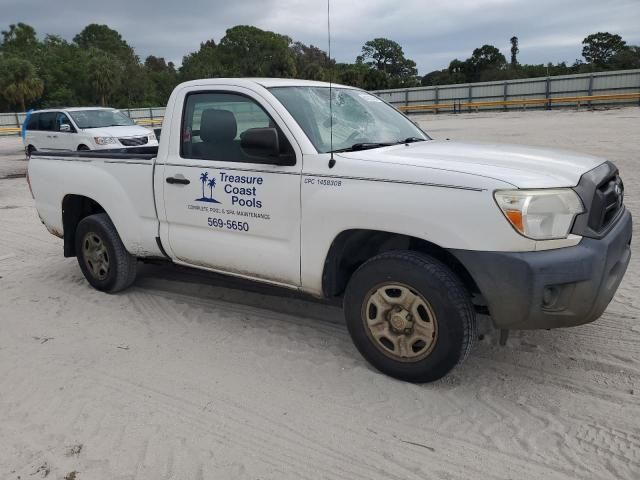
(218, 125)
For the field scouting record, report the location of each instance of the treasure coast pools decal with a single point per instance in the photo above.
(231, 200)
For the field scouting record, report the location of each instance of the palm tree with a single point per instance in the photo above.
(212, 184)
(19, 83)
(203, 178)
(104, 74)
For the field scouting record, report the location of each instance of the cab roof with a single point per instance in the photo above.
(263, 82)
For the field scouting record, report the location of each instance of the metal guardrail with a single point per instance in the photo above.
(547, 102)
(508, 94)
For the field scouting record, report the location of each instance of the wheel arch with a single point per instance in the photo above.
(351, 248)
(74, 209)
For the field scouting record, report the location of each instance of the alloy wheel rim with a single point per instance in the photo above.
(400, 322)
(95, 255)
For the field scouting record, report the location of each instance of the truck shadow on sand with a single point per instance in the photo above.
(212, 286)
(186, 285)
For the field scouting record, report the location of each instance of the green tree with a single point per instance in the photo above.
(387, 56)
(437, 77)
(312, 63)
(205, 63)
(514, 51)
(63, 67)
(103, 38)
(482, 61)
(599, 48)
(487, 56)
(629, 58)
(162, 77)
(104, 75)
(19, 83)
(351, 74)
(20, 40)
(382, 54)
(250, 51)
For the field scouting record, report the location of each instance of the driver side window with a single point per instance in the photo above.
(62, 119)
(213, 126)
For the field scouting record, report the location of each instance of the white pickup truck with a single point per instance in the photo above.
(264, 179)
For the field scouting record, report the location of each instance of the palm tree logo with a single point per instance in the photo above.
(203, 178)
(209, 182)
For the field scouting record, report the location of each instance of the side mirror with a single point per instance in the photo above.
(65, 127)
(261, 142)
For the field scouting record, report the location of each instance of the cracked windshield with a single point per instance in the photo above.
(359, 118)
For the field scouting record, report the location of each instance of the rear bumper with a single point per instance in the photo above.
(555, 288)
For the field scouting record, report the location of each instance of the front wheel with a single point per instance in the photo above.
(102, 257)
(409, 316)
(29, 150)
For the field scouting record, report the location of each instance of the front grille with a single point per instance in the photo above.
(607, 202)
(134, 141)
(602, 193)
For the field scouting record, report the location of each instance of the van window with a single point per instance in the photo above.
(62, 119)
(32, 123)
(47, 121)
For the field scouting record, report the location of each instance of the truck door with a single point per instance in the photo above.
(226, 208)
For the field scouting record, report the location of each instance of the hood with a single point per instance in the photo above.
(523, 167)
(124, 131)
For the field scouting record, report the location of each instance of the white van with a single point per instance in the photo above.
(84, 129)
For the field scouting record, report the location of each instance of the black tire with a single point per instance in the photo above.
(83, 148)
(122, 266)
(454, 317)
(30, 150)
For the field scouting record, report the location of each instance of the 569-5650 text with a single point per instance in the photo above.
(228, 224)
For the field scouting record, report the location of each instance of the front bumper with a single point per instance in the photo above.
(554, 288)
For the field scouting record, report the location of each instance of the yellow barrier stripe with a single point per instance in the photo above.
(527, 101)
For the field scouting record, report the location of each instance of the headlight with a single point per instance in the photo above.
(152, 137)
(540, 214)
(104, 140)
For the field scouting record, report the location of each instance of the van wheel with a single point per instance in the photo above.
(83, 148)
(104, 261)
(409, 316)
(30, 150)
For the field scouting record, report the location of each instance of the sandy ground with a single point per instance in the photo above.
(187, 377)
(12, 158)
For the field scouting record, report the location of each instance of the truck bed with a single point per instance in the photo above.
(118, 181)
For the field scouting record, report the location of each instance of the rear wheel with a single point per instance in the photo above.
(83, 148)
(409, 316)
(102, 257)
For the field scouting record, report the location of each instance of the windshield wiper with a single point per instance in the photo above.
(363, 146)
(412, 140)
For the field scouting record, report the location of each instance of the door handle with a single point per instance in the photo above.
(178, 180)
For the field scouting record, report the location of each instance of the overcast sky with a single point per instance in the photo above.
(432, 32)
